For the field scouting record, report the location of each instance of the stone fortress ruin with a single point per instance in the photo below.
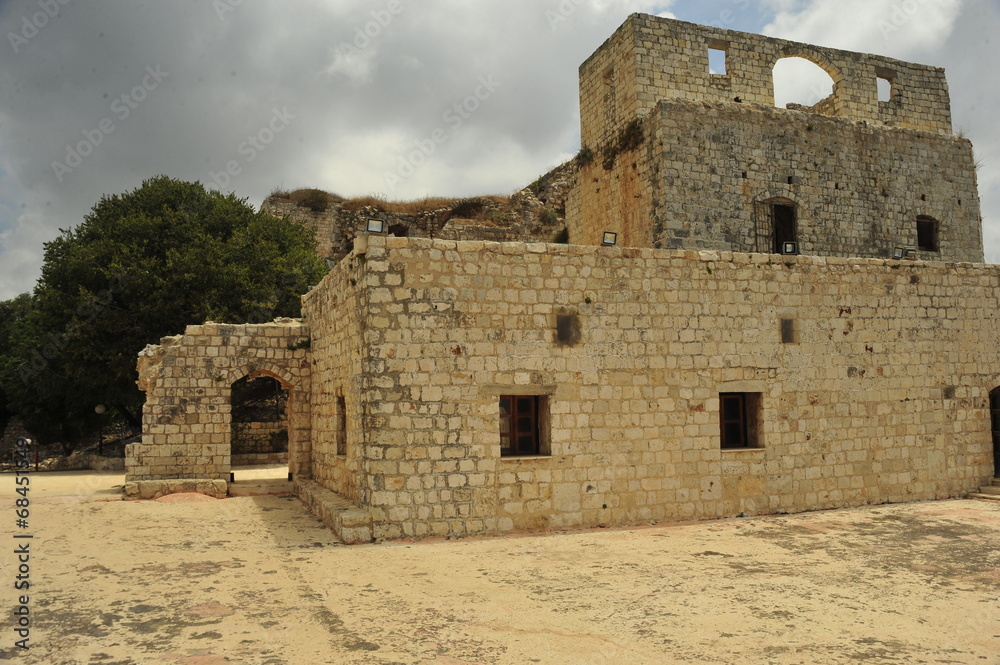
(736, 310)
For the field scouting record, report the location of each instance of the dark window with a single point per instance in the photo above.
(995, 418)
(341, 434)
(927, 234)
(520, 425)
(789, 332)
(568, 329)
(738, 418)
(784, 227)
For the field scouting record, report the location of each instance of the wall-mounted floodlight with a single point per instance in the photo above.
(898, 253)
(789, 248)
(911, 253)
(610, 238)
(376, 226)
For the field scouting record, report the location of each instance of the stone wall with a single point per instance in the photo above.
(881, 396)
(337, 310)
(534, 213)
(713, 152)
(188, 379)
(649, 59)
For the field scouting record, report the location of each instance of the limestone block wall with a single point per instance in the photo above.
(337, 314)
(881, 395)
(622, 198)
(651, 58)
(713, 149)
(188, 378)
(858, 190)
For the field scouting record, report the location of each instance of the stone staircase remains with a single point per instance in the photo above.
(352, 525)
(258, 487)
(991, 491)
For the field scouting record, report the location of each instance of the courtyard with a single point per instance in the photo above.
(189, 580)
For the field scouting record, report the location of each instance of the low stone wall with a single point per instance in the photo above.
(154, 489)
(259, 459)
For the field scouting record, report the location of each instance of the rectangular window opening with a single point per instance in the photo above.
(739, 420)
(884, 90)
(927, 234)
(717, 61)
(789, 331)
(524, 425)
(886, 80)
(784, 229)
(341, 424)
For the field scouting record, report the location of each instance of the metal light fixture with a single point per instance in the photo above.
(789, 248)
(898, 253)
(376, 226)
(610, 239)
(911, 253)
(100, 410)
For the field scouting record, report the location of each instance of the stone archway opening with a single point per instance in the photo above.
(259, 427)
(800, 83)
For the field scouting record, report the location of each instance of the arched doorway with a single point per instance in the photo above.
(995, 428)
(799, 81)
(259, 428)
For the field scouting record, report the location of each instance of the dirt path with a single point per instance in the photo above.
(257, 581)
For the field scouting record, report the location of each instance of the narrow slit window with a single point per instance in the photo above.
(341, 418)
(789, 331)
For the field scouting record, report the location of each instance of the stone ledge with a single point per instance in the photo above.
(154, 489)
(351, 524)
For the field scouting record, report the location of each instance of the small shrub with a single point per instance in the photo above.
(549, 216)
(536, 187)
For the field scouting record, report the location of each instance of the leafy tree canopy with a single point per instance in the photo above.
(141, 266)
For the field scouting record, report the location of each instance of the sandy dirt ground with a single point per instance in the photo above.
(258, 581)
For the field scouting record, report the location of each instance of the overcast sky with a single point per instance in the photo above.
(293, 94)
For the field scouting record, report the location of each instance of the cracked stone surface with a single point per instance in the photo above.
(258, 581)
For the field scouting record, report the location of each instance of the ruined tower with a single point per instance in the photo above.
(680, 154)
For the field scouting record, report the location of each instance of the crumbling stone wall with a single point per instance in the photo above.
(883, 396)
(649, 59)
(534, 214)
(712, 150)
(188, 378)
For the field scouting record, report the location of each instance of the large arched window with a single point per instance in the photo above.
(800, 81)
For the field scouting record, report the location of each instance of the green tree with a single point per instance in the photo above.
(12, 316)
(141, 266)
